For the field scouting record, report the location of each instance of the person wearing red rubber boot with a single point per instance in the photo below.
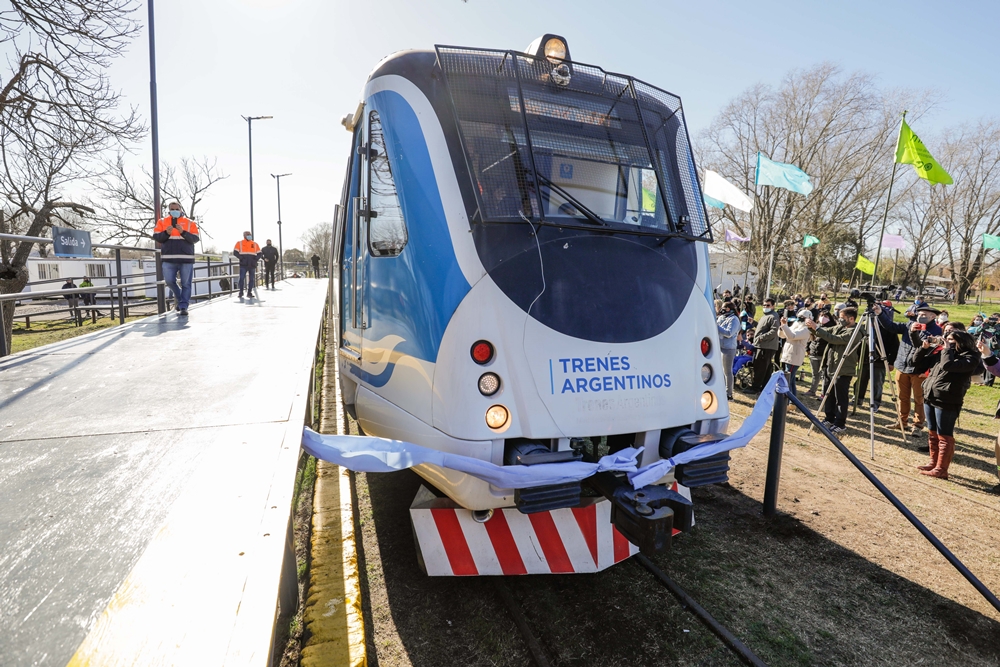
(952, 360)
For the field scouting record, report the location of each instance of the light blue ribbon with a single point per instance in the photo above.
(370, 454)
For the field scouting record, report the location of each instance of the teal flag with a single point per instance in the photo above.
(809, 241)
(990, 241)
(782, 175)
(712, 201)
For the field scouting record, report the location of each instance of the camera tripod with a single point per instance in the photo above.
(874, 335)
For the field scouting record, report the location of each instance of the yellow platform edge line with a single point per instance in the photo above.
(333, 617)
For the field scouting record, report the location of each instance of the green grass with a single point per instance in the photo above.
(52, 331)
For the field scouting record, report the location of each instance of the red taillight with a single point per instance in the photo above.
(706, 346)
(482, 352)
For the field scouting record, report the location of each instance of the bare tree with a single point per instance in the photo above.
(318, 240)
(970, 207)
(125, 202)
(838, 129)
(57, 113)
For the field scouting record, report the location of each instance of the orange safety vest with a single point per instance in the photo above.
(245, 247)
(183, 225)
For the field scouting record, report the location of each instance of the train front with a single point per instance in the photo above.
(588, 323)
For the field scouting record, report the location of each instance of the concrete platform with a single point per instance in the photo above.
(146, 479)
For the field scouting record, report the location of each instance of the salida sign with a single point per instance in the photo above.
(68, 242)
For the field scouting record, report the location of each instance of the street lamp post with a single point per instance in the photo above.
(281, 248)
(161, 302)
(249, 120)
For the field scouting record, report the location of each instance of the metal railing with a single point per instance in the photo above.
(119, 289)
(778, 419)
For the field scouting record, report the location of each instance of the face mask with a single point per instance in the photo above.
(844, 322)
(174, 213)
(246, 236)
(977, 322)
(942, 319)
(824, 320)
(768, 309)
(925, 318)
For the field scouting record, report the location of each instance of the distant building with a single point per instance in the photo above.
(48, 273)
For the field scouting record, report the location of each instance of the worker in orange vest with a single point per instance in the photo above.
(249, 253)
(177, 234)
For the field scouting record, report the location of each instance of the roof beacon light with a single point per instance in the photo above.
(555, 50)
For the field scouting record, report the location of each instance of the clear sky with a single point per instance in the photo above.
(305, 61)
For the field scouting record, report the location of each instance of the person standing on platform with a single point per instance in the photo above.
(72, 300)
(270, 262)
(765, 339)
(177, 236)
(89, 298)
(249, 253)
(315, 263)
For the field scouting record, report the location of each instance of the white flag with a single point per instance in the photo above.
(891, 241)
(719, 188)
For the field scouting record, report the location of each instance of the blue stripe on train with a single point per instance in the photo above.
(415, 294)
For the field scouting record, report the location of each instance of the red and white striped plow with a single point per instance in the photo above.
(564, 541)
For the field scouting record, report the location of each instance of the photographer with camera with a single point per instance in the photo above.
(837, 338)
(987, 332)
(992, 363)
(908, 380)
(890, 345)
(952, 360)
(816, 349)
(796, 334)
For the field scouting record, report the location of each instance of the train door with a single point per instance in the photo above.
(354, 256)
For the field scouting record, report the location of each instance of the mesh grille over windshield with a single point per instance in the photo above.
(522, 131)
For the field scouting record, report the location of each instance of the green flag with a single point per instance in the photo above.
(809, 241)
(990, 241)
(910, 150)
(865, 265)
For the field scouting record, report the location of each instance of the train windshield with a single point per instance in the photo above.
(567, 143)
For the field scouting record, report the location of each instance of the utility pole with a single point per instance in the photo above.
(249, 120)
(281, 248)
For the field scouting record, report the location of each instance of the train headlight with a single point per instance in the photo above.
(706, 373)
(706, 347)
(555, 50)
(489, 384)
(482, 352)
(497, 416)
(709, 403)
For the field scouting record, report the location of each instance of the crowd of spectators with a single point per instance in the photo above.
(934, 361)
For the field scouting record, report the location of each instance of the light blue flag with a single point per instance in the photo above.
(782, 175)
(712, 201)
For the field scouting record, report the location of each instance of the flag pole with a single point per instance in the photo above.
(756, 206)
(888, 196)
(770, 267)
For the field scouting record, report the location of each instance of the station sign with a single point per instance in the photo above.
(68, 242)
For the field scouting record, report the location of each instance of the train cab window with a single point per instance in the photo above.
(386, 228)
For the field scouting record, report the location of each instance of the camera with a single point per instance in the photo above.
(872, 293)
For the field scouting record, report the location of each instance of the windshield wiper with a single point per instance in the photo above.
(587, 213)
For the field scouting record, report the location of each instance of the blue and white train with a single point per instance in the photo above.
(522, 258)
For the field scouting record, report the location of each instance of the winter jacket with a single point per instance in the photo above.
(270, 255)
(906, 356)
(248, 252)
(729, 327)
(950, 375)
(796, 337)
(766, 337)
(178, 240)
(837, 338)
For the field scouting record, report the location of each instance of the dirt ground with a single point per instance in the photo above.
(840, 578)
